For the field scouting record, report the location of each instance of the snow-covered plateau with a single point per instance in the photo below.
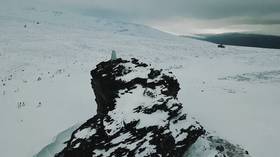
(46, 57)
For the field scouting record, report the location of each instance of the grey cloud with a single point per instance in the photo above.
(199, 14)
(201, 9)
(165, 9)
(203, 13)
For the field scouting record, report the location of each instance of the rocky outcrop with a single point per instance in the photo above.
(138, 114)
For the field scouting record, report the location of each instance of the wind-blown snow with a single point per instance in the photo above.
(45, 81)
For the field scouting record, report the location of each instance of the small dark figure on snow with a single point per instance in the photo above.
(221, 46)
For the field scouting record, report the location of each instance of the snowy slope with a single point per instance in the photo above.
(44, 74)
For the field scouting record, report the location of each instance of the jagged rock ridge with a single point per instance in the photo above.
(138, 114)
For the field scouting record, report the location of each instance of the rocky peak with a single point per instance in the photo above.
(138, 114)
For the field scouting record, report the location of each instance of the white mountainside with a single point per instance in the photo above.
(45, 81)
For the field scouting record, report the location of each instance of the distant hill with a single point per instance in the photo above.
(242, 39)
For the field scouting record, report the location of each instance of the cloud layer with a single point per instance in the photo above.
(191, 14)
(202, 9)
(202, 14)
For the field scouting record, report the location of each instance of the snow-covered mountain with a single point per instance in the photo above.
(46, 57)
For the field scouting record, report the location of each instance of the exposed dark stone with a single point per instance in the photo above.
(221, 46)
(136, 139)
(220, 148)
(129, 128)
(154, 73)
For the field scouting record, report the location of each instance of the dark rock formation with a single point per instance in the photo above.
(138, 114)
(221, 46)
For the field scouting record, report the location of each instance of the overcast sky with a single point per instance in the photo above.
(185, 16)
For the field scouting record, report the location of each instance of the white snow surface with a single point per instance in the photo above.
(45, 82)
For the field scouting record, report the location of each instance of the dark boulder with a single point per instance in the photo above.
(221, 46)
(138, 114)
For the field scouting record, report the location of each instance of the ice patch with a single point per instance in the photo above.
(262, 77)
